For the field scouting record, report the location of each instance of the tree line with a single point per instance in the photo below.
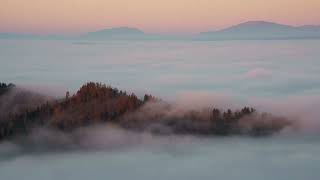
(97, 103)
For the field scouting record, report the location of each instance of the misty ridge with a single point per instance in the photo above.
(250, 30)
(95, 105)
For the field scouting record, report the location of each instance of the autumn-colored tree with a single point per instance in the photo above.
(97, 103)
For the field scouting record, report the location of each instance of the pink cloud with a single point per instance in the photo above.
(258, 73)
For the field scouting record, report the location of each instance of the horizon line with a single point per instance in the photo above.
(155, 33)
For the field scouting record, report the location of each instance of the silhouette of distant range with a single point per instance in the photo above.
(118, 33)
(115, 33)
(122, 33)
(251, 30)
(263, 30)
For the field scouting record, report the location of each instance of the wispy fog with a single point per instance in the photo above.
(104, 152)
(279, 77)
(21, 98)
(165, 68)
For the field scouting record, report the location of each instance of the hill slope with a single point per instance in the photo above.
(263, 30)
(96, 103)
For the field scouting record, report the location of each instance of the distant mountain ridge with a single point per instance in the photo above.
(263, 30)
(251, 30)
(115, 33)
(122, 33)
(119, 30)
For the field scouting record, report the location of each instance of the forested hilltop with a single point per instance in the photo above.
(96, 103)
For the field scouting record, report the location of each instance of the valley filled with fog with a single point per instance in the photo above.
(275, 76)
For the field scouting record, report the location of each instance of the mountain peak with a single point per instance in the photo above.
(258, 23)
(263, 30)
(123, 32)
(118, 30)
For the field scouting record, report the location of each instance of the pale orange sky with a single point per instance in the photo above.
(156, 16)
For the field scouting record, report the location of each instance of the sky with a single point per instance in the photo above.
(161, 16)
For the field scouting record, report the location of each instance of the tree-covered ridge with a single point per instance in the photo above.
(97, 103)
(93, 103)
(164, 119)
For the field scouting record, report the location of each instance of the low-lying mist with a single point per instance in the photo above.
(109, 150)
(302, 109)
(21, 98)
(95, 138)
(109, 136)
(106, 152)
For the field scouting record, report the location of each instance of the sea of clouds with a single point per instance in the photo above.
(281, 77)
